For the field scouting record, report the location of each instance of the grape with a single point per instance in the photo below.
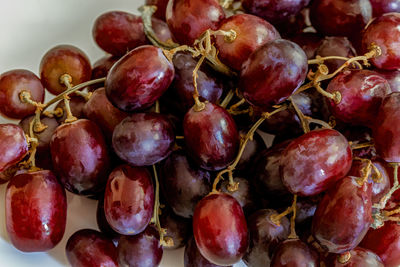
(272, 73)
(251, 33)
(161, 30)
(336, 225)
(315, 161)
(309, 42)
(359, 257)
(139, 78)
(188, 19)
(385, 33)
(293, 252)
(80, 157)
(183, 184)
(211, 137)
(100, 110)
(340, 17)
(385, 129)
(12, 83)
(143, 139)
(193, 257)
(380, 7)
(101, 68)
(384, 242)
(244, 195)
(142, 250)
(178, 228)
(220, 229)
(88, 247)
(13, 146)
(209, 85)
(102, 223)
(264, 237)
(294, 24)
(129, 199)
(362, 92)
(36, 211)
(393, 78)
(251, 151)
(161, 7)
(76, 104)
(60, 60)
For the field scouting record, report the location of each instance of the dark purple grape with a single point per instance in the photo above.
(143, 139)
(183, 184)
(102, 223)
(91, 248)
(129, 199)
(100, 70)
(251, 151)
(179, 229)
(272, 73)
(142, 250)
(211, 137)
(193, 257)
(293, 252)
(309, 42)
(139, 78)
(244, 195)
(12, 83)
(380, 7)
(264, 237)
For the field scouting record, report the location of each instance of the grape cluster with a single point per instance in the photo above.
(166, 133)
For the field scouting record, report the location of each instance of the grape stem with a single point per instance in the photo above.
(382, 203)
(233, 186)
(362, 145)
(303, 120)
(344, 257)
(227, 99)
(276, 218)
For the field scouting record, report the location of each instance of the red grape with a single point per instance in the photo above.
(293, 252)
(101, 68)
(143, 139)
(142, 250)
(315, 161)
(60, 60)
(211, 137)
(385, 242)
(362, 92)
(183, 184)
(309, 42)
(88, 247)
(385, 33)
(393, 78)
(12, 83)
(188, 19)
(13, 145)
(343, 216)
(380, 7)
(129, 199)
(161, 7)
(220, 229)
(178, 228)
(359, 257)
(272, 73)
(102, 223)
(36, 211)
(139, 78)
(244, 195)
(80, 157)
(251, 151)
(251, 33)
(193, 257)
(76, 104)
(340, 17)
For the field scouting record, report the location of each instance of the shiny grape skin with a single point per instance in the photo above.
(102, 223)
(385, 242)
(385, 130)
(142, 250)
(143, 139)
(340, 17)
(100, 70)
(378, 189)
(293, 252)
(100, 110)
(129, 199)
(118, 32)
(64, 59)
(274, 11)
(76, 104)
(183, 184)
(88, 247)
(264, 237)
(12, 83)
(380, 7)
(193, 257)
(209, 85)
(272, 73)
(313, 162)
(13, 145)
(251, 33)
(139, 78)
(179, 229)
(393, 78)
(335, 46)
(360, 257)
(245, 194)
(362, 92)
(80, 157)
(161, 7)
(385, 33)
(188, 19)
(211, 137)
(36, 211)
(309, 42)
(336, 225)
(220, 229)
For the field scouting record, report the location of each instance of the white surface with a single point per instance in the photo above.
(28, 28)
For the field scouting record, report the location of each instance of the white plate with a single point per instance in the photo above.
(28, 28)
